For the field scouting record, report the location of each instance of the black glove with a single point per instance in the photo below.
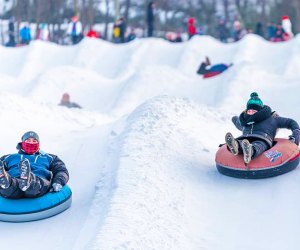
(295, 137)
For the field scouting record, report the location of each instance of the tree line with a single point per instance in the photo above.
(170, 15)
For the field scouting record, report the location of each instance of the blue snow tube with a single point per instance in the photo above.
(22, 210)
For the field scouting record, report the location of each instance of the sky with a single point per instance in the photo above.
(141, 152)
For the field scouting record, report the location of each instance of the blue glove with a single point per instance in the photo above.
(56, 187)
(295, 137)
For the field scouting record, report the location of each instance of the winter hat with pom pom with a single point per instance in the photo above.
(254, 102)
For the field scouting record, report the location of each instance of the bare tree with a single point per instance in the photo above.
(107, 12)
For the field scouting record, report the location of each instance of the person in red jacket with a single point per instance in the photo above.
(191, 27)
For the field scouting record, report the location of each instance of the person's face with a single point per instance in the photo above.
(251, 111)
(31, 141)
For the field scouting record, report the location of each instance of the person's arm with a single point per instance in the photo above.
(237, 123)
(59, 171)
(291, 124)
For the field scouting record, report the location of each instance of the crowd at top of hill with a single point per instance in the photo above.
(18, 34)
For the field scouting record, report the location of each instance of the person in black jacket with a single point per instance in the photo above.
(11, 33)
(150, 18)
(259, 127)
(31, 172)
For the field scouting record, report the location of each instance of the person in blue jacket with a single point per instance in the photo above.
(25, 34)
(30, 172)
(259, 126)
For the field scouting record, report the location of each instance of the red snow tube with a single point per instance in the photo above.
(211, 74)
(281, 158)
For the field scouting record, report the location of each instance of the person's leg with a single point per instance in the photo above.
(150, 29)
(38, 187)
(202, 69)
(32, 185)
(258, 148)
(233, 145)
(12, 191)
(253, 150)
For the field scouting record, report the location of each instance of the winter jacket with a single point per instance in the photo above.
(47, 166)
(74, 28)
(262, 125)
(25, 34)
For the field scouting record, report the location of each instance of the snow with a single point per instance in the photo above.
(141, 151)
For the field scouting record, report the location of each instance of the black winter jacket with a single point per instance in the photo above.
(262, 125)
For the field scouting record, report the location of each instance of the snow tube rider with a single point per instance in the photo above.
(209, 71)
(31, 173)
(259, 129)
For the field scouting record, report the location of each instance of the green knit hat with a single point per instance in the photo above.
(254, 102)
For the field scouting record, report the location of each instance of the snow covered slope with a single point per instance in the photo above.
(141, 151)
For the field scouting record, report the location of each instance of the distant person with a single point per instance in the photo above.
(259, 127)
(25, 34)
(11, 33)
(122, 25)
(31, 172)
(287, 27)
(43, 32)
(75, 30)
(117, 31)
(280, 34)
(191, 27)
(207, 70)
(271, 30)
(259, 29)
(131, 36)
(238, 31)
(222, 31)
(178, 37)
(65, 101)
(150, 18)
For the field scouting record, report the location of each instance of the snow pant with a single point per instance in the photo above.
(38, 187)
(202, 69)
(258, 146)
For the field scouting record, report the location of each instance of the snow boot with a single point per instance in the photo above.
(232, 144)
(4, 179)
(247, 150)
(25, 172)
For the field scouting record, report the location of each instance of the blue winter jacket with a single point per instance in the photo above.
(47, 166)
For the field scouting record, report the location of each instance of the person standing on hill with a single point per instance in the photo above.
(75, 30)
(191, 27)
(287, 27)
(150, 18)
(25, 34)
(11, 33)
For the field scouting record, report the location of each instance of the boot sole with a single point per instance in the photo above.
(247, 150)
(230, 142)
(24, 175)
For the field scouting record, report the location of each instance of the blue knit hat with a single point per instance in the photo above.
(254, 102)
